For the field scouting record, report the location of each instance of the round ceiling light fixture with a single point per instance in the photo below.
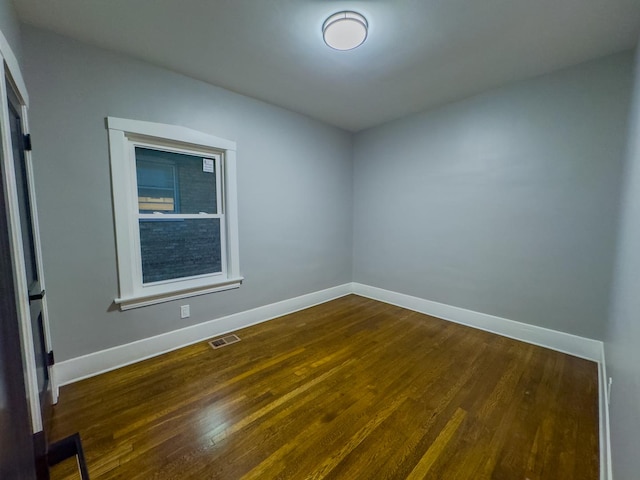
(345, 30)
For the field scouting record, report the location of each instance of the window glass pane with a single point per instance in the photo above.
(177, 248)
(156, 187)
(171, 182)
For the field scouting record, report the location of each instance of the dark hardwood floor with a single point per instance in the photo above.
(351, 389)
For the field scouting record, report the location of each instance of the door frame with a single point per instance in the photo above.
(9, 70)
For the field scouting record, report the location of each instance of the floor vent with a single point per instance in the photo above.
(224, 341)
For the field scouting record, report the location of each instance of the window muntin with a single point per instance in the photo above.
(175, 209)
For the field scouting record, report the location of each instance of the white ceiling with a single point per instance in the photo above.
(420, 53)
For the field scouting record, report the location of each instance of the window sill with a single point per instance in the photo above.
(128, 303)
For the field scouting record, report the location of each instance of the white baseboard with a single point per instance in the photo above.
(563, 342)
(606, 471)
(86, 366)
(79, 368)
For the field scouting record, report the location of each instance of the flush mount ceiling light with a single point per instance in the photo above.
(345, 30)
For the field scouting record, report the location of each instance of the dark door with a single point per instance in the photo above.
(16, 448)
(29, 248)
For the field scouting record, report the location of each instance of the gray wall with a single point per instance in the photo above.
(10, 27)
(504, 203)
(294, 181)
(622, 343)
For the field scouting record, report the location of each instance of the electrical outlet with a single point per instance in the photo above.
(185, 311)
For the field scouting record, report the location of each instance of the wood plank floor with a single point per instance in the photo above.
(351, 389)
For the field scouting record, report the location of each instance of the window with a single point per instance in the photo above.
(175, 208)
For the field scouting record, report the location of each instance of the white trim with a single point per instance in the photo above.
(560, 341)
(178, 216)
(17, 257)
(14, 68)
(35, 225)
(230, 204)
(169, 132)
(606, 467)
(129, 353)
(86, 366)
(13, 73)
(124, 136)
(582, 347)
(135, 302)
(79, 368)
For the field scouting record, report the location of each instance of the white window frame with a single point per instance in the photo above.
(124, 136)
